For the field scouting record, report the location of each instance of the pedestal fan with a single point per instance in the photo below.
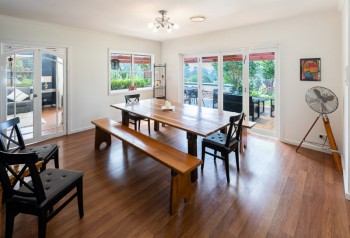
(324, 101)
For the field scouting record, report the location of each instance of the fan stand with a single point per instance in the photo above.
(333, 145)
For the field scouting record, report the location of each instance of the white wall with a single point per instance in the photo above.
(309, 36)
(87, 64)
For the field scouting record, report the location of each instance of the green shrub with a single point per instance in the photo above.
(24, 83)
(117, 84)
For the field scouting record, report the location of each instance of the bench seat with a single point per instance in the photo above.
(180, 163)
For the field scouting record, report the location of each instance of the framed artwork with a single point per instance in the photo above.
(310, 69)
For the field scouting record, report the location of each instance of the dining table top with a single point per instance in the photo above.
(193, 119)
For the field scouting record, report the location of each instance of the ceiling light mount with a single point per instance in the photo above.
(197, 19)
(163, 22)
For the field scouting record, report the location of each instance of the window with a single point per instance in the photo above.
(129, 71)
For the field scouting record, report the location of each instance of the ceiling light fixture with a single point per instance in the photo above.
(163, 22)
(197, 19)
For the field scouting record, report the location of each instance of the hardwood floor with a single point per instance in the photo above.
(277, 193)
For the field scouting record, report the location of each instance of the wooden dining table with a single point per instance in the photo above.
(196, 121)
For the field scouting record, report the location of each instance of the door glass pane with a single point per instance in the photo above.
(51, 94)
(232, 80)
(209, 81)
(262, 89)
(19, 88)
(190, 80)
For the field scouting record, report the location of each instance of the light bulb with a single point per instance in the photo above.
(151, 25)
(176, 26)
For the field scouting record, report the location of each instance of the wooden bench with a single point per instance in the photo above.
(180, 163)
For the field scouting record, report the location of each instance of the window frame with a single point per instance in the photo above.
(132, 72)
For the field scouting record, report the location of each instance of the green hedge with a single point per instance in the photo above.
(117, 84)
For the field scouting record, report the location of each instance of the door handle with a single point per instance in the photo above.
(35, 95)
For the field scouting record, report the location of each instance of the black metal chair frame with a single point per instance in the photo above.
(133, 118)
(39, 195)
(225, 143)
(11, 140)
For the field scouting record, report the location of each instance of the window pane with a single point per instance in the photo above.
(120, 71)
(142, 71)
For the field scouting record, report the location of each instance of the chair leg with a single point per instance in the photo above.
(227, 166)
(56, 160)
(237, 158)
(80, 198)
(203, 156)
(139, 125)
(215, 153)
(10, 219)
(42, 221)
(135, 125)
(149, 127)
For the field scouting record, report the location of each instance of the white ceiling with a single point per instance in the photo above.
(131, 17)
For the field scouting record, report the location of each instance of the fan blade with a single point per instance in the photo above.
(327, 98)
(312, 101)
(324, 108)
(317, 92)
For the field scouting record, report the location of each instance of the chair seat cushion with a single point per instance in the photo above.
(54, 182)
(218, 139)
(43, 151)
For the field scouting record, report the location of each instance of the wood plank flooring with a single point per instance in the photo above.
(277, 193)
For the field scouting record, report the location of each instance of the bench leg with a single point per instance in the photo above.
(100, 137)
(180, 189)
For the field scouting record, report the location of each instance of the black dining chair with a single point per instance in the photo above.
(38, 194)
(224, 143)
(133, 118)
(11, 140)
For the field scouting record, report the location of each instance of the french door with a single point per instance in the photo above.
(235, 81)
(34, 80)
(200, 80)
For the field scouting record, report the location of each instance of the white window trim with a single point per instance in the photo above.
(126, 91)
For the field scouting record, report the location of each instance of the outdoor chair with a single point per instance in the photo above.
(11, 140)
(133, 118)
(272, 110)
(224, 143)
(40, 194)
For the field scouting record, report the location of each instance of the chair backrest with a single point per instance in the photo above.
(132, 98)
(11, 139)
(13, 168)
(235, 128)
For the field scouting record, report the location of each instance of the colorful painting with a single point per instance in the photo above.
(310, 69)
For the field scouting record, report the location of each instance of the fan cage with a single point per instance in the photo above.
(321, 100)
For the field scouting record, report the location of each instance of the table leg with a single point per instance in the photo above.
(125, 118)
(192, 150)
(156, 126)
(263, 103)
(243, 139)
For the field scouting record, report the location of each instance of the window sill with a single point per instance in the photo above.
(126, 91)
